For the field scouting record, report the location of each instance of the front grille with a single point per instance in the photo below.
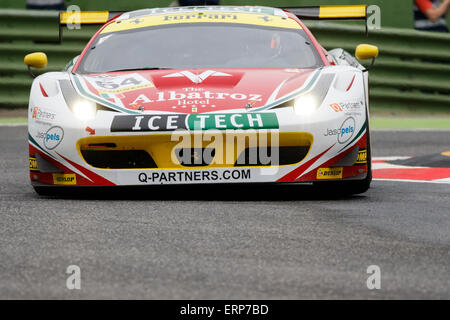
(118, 159)
(195, 157)
(164, 152)
(271, 156)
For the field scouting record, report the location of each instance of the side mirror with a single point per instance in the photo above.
(35, 60)
(365, 52)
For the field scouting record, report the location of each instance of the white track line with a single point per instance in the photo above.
(441, 181)
(390, 158)
(412, 130)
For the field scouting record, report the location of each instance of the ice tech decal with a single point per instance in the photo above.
(164, 122)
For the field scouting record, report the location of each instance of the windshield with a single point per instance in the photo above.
(200, 45)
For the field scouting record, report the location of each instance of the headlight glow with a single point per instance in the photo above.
(84, 110)
(305, 105)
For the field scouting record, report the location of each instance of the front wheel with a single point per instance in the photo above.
(47, 191)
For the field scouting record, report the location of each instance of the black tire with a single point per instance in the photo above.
(47, 191)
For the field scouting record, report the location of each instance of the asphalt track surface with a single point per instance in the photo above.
(227, 242)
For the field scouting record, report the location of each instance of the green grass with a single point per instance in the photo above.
(13, 120)
(409, 123)
(376, 122)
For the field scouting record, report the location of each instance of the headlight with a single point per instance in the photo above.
(305, 105)
(84, 110)
(310, 101)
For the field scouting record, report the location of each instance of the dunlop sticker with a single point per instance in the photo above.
(64, 179)
(329, 173)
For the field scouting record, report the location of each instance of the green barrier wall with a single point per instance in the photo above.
(413, 70)
(394, 13)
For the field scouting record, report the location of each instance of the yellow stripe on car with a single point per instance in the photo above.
(84, 17)
(199, 17)
(342, 12)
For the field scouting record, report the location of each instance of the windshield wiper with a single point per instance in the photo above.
(138, 69)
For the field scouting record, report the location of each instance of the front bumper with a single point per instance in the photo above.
(298, 151)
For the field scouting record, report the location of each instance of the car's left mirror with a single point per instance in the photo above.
(35, 60)
(365, 52)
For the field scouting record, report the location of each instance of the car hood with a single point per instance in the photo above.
(191, 91)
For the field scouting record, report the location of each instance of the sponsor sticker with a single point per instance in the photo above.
(42, 114)
(329, 173)
(348, 107)
(202, 17)
(345, 132)
(53, 137)
(195, 97)
(164, 122)
(336, 107)
(64, 179)
(249, 9)
(362, 157)
(194, 176)
(107, 85)
(33, 164)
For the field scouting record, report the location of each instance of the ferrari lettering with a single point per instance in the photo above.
(255, 9)
(128, 123)
(200, 16)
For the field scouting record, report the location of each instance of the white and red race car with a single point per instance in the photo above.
(195, 95)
